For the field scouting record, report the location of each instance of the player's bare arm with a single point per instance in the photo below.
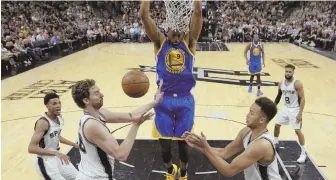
(259, 151)
(195, 26)
(263, 54)
(234, 147)
(278, 98)
(135, 115)
(299, 88)
(67, 142)
(149, 25)
(33, 148)
(245, 53)
(98, 134)
(115, 117)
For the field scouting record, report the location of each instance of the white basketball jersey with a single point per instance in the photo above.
(258, 171)
(95, 163)
(290, 95)
(50, 139)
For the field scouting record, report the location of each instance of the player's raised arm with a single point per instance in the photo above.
(196, 24)
(148, 23)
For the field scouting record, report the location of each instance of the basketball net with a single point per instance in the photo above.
(178, 14)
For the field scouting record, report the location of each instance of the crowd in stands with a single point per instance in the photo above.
(35, 31)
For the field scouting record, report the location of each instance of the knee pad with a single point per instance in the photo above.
(183, 151)
(165, 150)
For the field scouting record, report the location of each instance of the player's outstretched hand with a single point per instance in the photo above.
(196, 141)
(159, 94)
(64, 158)
(144, 117)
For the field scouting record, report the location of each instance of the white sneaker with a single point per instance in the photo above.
(302, 158)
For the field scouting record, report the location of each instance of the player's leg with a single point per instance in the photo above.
(281, 120)
(251, 83)
(47, 168)
(68, 171)
(258, 71)
(166, 156)
(185, 112)
(251, 73)
(163, 130)
(297, 127)
(184, 157)
(259, 92)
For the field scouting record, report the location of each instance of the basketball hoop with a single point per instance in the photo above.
(178, 14)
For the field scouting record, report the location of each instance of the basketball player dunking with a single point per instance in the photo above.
(50, 163)
(98, 148)
(258, 160)
(292, 90)
(175, 57)
(254, 63)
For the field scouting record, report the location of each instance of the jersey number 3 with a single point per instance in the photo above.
(287, 100)
(81, 145)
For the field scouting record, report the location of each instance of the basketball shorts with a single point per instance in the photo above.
(254, 68)
(51, 168)
(173, 116)
(288, 115)
(82, 176)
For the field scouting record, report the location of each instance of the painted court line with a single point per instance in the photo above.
(208, 172)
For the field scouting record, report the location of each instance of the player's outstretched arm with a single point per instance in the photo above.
(149, 25)
(135, 115)
(67, 142)
(234, 147)
(195, 25)
(41, 127)
(253, 154)
(98, 134)
(278, 98)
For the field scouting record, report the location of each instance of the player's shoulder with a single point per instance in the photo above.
(298, 84)
(42, 124)
(93, 125)
(263, 143)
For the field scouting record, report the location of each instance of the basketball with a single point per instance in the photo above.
(135, 84)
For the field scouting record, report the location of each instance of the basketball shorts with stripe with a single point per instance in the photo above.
(51, 168)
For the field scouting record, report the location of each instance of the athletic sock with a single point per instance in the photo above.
(276, 140)
(303, 150)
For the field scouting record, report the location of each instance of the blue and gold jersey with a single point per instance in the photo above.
(174, 65)
(255, 53)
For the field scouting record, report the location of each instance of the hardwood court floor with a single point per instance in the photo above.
(221, 104)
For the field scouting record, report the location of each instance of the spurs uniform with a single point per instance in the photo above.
(95, 164)
(259, 171)
(291, 108)
(51, 167)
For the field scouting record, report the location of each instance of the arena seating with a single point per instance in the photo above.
(33, 33)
